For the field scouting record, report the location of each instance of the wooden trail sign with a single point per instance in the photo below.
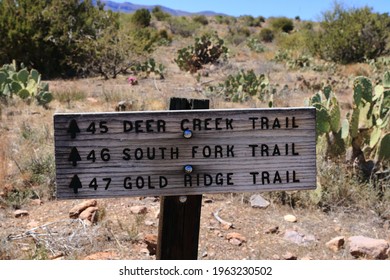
(189, 152)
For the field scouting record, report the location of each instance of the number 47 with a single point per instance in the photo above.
(94, 183)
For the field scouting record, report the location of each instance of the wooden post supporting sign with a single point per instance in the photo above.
(179, 223)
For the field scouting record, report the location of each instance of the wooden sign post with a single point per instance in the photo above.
(184, 153)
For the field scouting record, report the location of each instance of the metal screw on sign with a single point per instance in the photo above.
(187, 133)
(188, 169)
(183, 198)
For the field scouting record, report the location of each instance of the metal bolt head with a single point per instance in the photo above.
(183, 198)
(187, 133)
(188, 169)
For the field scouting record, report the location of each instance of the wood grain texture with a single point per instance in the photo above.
(236, 142)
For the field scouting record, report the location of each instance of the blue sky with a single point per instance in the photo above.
(306, 9)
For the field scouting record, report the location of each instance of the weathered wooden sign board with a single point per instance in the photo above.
(184, 152)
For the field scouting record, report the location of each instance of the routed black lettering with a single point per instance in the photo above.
(126, 153)
(229, 123)
(206, 151)
(218, 151)
(188, 180)
(276, 124)
(197, 124)
(277, 178)
(149, 125)
(162, 149)
(127, 183)
(174, 153)
(194, 150)
(207, 123)
(127, 126)
(217, 123)
(254, 177)
(254, 119)
(264, 150)
(138, 154)
(139, 182)
(138, 125)
(293, 150)
(265, 177)
(208, 180)
(294, 125)
(219, 179)
(229, 179)
(183, 123)
(264, 123)
(230, 150)
(276, 151)
(295, 180)
(253, 149)
(151, 153)
(163, 182)
(161, 125)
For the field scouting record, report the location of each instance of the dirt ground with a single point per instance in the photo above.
(119, 234)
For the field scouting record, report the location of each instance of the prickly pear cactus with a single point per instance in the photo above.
(23, 83)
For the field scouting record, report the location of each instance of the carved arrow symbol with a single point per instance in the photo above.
(75, 184)
(74, 156)
(73, 129)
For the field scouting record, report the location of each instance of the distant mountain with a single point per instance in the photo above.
(128, 7)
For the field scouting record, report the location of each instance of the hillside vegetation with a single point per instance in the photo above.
(72, 56)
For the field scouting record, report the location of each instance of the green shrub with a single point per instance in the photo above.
(200, 19)
(352, 35)
(251, 21)
(141, 18)
(207, 49)
(282, 24)
(255, 45)
(238, 35)
(266, 35)
(51, 36)
(228, 20)
(159, 14)
(239, 87)
(182, 26)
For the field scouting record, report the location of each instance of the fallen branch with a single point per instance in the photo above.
(225, 224)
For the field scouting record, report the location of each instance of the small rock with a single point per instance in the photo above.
(37, 202)
(20, 213)
(275, 257)
(336, 243)
(138, 209)
(236, 238)
(92, 100)
(299, 238)
(149, 223)
(151, 243)
(290, 218)
(289, 256)
(257, 201)
(361, 246)
(101, 256)
(89, 214)
(386, 225)
(235, 241)
(272, 230)
(32, 224)
(306, 258)
(208, 200)
(76, 210)
(204, 254)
